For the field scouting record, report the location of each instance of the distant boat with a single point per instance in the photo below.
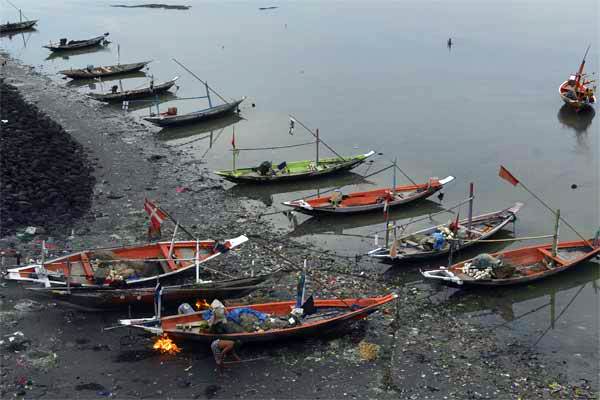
(293, 170)
(17, 26)
(116, 96)
(171, 118)
(576, 91)
(528, 264)
(358, 202)
(99, 72)
(76, 44)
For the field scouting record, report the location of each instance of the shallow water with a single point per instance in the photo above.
(378, 75)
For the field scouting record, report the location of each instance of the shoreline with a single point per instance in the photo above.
(425, 349)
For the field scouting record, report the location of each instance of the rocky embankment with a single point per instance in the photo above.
(46, 178)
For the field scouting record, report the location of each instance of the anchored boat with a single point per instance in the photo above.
(99, 72)
(327, 315)
(123, 266)
(576, 92)
(115, 96)
(293, 170)
(441, 239)
(359, 202)
(517, 266)
(171, 118)
(18, 26)
(63, 45)
(112, 298)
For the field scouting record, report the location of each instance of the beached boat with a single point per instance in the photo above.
(17, 26)
(330, 315)
(63, 45)
(116, 96)
(99, 72)
(113, 298)
(171, 118)
(293, 170)
(123, 266)
(359, 202)
(518, 266)
(576, 92)
(437, 240)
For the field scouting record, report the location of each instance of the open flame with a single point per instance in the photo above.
(165, 345)
(202, 304)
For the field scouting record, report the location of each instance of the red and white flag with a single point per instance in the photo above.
(507, 176)
(157, 216)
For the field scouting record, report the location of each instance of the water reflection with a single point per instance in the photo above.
(66, 54)
(266, 193)
(191, 131)
(578, 121)
(25, 33)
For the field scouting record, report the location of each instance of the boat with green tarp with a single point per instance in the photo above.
(294, 170)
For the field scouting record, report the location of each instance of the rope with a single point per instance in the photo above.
(428, 216)
(503, 240)
(273, 148)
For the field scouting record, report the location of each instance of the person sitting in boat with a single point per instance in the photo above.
(336, 198)
(218, 319)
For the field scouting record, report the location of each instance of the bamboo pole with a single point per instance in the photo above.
(471, 194)
(556, 228)
(196, 76)
(317, 136)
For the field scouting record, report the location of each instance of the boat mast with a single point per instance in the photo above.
(208, 95)
(317, 142)
(394, 178)
(556, 228)
(470, 223)
(197, 261)
(20, 15)
(579, 76)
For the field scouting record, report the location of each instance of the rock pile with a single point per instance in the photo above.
(45, 176)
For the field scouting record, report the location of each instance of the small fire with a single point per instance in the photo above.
(202, 304)
(165, 345)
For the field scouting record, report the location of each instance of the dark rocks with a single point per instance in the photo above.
(46, 177)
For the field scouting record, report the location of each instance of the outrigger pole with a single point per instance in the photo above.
(205, 84)
(316, 135)
(509, 177)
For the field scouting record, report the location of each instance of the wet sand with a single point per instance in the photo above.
(428, 348)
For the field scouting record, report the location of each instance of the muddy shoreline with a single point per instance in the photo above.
(425, 349)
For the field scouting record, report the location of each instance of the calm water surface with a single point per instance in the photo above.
(378, 75)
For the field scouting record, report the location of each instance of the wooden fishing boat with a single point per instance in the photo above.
(294, 170)
(421, 244)
(76, 44)
(170, 118)
(330, 315)
(116, 96)
(123, 266)
(530, 264)
(576, 92)
(359, 202)
(99, 72)
(17, 26)
(113, 298)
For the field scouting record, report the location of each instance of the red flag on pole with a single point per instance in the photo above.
(233, 139)
(157, 216)
(507, 176)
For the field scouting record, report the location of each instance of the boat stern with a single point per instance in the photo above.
(447, 180)
(442, 275)
(300, 205)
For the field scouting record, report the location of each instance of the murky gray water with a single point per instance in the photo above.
(378, 75)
